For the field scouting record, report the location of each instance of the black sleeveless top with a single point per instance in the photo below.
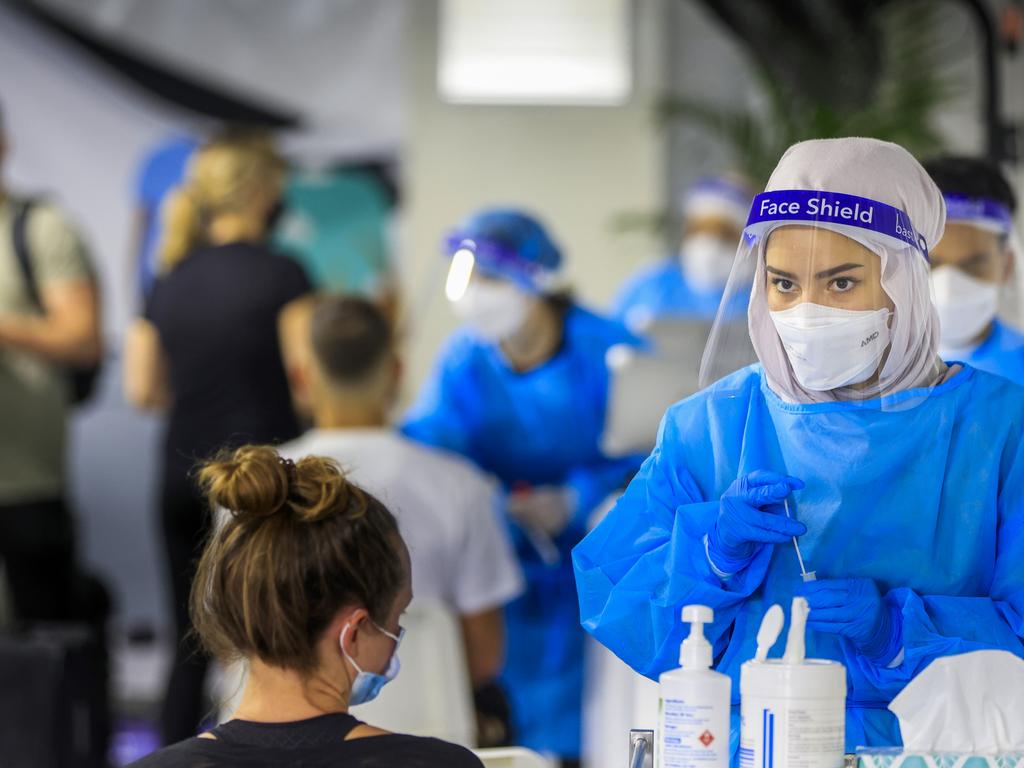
(315, 743)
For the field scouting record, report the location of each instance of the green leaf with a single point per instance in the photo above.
(913, 84)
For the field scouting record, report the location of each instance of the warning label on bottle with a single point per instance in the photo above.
(688, 735)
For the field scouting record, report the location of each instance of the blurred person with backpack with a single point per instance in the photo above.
(50, 349)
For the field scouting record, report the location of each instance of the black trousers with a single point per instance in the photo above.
(37, 550)
(184, 524)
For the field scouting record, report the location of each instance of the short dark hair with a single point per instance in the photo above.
(351, 336)
(971, 177)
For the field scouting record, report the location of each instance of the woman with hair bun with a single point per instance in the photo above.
(209, 349)
(306, 581)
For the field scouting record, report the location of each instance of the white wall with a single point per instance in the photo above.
(577, 167)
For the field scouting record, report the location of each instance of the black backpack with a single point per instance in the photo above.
(83, 380)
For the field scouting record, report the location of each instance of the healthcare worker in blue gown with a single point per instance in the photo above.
(974, 264)
(688, 285)
(521, 390)
(904, 474)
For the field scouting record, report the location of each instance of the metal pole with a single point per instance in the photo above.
(641, 749)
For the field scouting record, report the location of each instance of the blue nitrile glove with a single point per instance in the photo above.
(854, 609)
(751, 516)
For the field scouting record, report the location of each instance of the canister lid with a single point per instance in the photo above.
(811, 679)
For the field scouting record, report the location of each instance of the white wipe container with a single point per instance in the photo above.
(793, 709)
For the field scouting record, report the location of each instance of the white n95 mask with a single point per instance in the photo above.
(493, 309)
(707, 261)
(966, 306)
(831, 348)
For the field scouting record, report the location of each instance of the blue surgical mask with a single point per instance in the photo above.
(367, 685)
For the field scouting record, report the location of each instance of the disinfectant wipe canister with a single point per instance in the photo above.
(693, 711)
(793, 709)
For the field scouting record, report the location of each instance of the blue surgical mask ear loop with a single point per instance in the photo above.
(367, 685)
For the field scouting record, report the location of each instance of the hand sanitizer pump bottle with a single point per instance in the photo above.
(693, 712)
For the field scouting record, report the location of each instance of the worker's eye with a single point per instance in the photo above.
(783, 285)
(843, 284)
(978, 265)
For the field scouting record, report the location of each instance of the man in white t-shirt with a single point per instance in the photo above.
(447, 510)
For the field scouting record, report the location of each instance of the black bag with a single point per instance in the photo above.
(53, 707)
(83, 380)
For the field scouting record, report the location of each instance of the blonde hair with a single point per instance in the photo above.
(223, 175)
(300, 542)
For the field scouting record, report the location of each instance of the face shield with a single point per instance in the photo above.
(839, 307)
(973, 270)
(492, 268)
(714, 211)
(490, 289)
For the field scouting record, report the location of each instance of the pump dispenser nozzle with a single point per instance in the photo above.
(693, 703)
(695, 652)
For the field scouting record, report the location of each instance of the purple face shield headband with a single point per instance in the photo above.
(983, 212)
(813, 207)
(495, 258)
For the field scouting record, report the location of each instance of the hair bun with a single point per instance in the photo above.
(254, 482)
(319, 488)
(251, 482)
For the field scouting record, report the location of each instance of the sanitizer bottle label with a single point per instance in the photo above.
(692, 735)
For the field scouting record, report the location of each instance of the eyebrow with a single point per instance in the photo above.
(836, 270)
(821, 275)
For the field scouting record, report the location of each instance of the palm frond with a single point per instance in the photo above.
(912, 85)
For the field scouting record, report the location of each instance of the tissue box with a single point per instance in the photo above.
(897, 758)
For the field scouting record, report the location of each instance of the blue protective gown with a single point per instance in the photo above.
(662, 291)
(927, 501)
(1002, 353)
(541, 427)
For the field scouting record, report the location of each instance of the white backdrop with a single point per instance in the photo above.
(337, 62)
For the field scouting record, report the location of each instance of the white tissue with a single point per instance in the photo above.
(969, 703)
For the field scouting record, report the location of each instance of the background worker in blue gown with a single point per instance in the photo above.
(521, 390)
(973, 265)
(688, 285)
(904, 476)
